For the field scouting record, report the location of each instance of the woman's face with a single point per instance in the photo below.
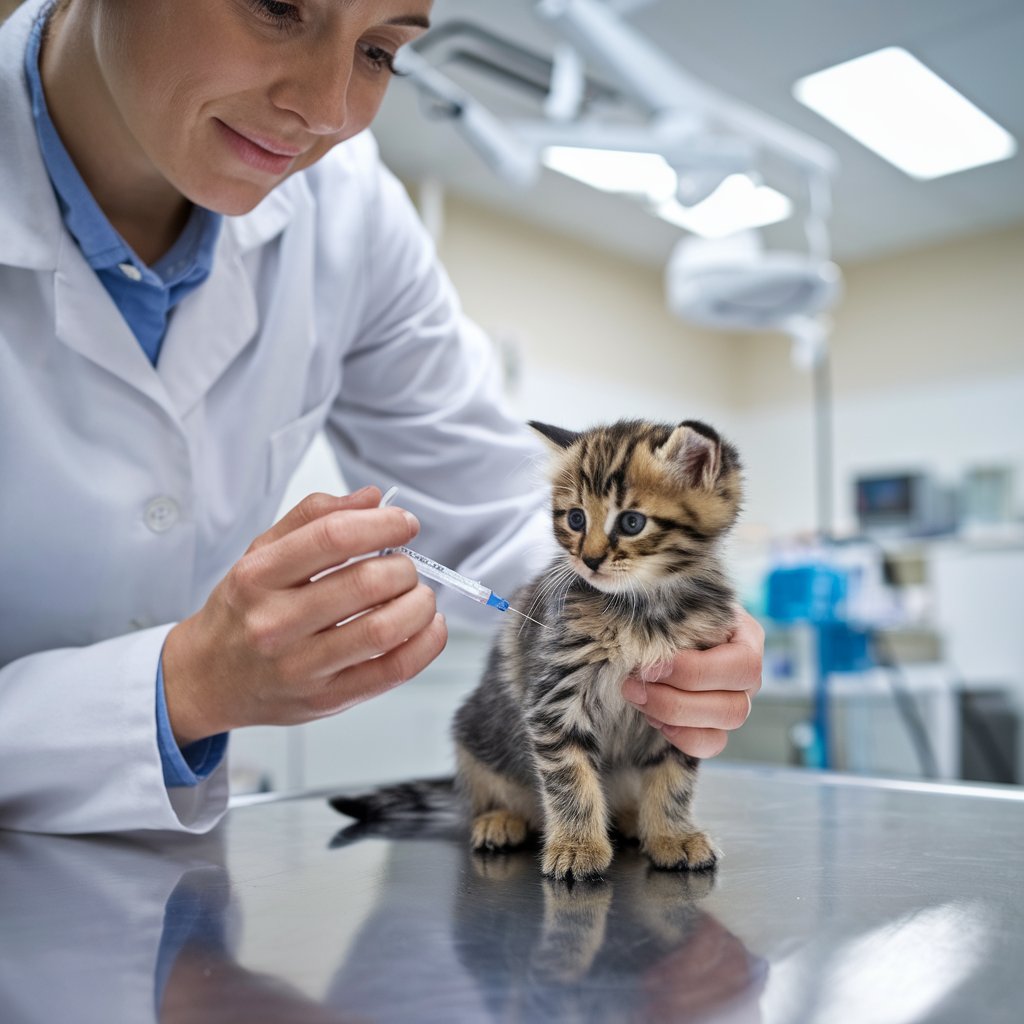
(227, 98)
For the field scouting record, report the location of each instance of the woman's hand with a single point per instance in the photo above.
(266, 648)
(701, 696)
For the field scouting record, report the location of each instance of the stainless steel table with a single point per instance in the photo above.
(839, 900)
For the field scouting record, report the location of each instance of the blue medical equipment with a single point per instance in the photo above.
(816, 594)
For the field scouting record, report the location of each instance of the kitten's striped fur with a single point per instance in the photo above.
(546, 743)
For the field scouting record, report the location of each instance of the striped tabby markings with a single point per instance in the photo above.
(667, 833)
(503, 811)
(576, 840)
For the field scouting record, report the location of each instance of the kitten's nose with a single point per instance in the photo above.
(593, 561)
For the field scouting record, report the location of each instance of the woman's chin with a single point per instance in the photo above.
(232, 199)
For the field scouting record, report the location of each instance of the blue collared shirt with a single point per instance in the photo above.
(145, 297)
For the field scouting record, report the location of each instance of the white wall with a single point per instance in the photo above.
(928, 372)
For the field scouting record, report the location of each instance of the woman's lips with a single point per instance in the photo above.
(263, 155)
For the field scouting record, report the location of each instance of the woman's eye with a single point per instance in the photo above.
(275, 10)
(577, 519)
(631, 523)
(380, 59)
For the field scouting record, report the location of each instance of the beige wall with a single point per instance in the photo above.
(582, 313)
(943, 315)
(928, 357)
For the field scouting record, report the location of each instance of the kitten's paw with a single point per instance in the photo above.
(498, 830)
(566, 858)
(690, 852)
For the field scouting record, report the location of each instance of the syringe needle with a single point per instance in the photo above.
(525, 616)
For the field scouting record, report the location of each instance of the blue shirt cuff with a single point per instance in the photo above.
(188, 766)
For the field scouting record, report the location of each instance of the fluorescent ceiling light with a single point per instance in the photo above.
(736, 204)
(889, 101)
(642, 174)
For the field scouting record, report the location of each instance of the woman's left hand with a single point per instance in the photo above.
(697, 699)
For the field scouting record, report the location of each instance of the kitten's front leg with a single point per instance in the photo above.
(576, 840)
(668, 834)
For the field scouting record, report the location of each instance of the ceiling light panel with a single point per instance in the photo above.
(893, 104)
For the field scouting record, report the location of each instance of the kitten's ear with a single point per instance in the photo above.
(694, 451)
(558, 436)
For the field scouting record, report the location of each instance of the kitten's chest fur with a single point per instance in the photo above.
(631, 634)
(566, 679)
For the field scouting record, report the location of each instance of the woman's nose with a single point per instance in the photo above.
(318, 92)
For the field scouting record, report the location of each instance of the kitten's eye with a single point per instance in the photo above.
(577, 519)
(631, 523)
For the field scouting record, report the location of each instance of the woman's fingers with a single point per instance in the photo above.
(370, 678)
(734, 665)
(716, 709)
(696, 742)
(354, 589)
(312, 507)
(698, 698)
(328, 541)
(369, 636)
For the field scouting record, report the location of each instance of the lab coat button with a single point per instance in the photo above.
(161, 514)
(130, 271)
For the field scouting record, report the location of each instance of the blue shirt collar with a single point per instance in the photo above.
(101, 245)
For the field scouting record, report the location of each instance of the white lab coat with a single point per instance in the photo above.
(126, 492)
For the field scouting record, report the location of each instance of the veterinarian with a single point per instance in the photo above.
(202, 264)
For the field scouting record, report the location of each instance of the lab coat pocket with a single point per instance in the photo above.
(291, 442)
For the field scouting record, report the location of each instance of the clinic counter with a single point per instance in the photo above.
(838, 900)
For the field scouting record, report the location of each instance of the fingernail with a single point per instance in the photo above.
(635, 691)
(654, 723)
(414, 523)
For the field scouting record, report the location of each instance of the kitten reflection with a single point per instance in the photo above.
(636, 946)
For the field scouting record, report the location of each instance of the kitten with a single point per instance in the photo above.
(546, 743)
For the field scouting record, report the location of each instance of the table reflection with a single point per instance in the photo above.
(109, 930)
(634, 947)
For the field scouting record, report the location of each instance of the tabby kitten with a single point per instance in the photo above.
(546, 743)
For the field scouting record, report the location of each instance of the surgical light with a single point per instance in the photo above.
(893, 104)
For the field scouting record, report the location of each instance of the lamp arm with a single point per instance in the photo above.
(660, 85)
(508, 155)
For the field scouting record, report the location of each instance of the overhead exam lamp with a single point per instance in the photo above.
(703, 135)
(730, 283)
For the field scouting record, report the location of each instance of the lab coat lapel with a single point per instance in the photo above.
(88, 321)
(213, 324)
(209, 328)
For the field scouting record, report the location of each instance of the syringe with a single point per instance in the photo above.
(439, 573)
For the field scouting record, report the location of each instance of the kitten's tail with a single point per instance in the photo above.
(418, 799)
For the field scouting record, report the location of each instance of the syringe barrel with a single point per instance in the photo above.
(446, 577)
